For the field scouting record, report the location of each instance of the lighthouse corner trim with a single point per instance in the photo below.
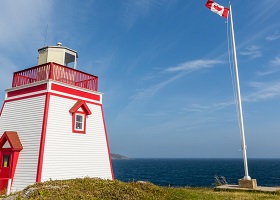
(43, 137)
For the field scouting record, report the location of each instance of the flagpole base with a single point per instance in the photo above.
(245, 183)
(247, 178)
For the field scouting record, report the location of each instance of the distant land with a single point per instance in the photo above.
(115, 156)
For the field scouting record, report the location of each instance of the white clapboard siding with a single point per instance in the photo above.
(25, 117)
(71, 155)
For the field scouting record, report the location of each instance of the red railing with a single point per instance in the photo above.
(55, 72)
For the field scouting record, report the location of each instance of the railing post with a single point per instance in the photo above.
(51, 71)
(96, 79)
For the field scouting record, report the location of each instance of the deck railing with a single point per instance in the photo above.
(55, 72)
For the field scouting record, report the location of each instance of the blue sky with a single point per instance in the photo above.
(163, 68)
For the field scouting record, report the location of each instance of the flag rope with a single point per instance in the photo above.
(230, 60)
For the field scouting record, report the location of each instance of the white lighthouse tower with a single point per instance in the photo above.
(52, 123)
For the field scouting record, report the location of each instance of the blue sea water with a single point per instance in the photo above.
(196, 172)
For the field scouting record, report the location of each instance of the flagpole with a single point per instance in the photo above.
(246, 177)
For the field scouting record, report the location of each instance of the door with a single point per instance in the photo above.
(10, 146)
(5, 169)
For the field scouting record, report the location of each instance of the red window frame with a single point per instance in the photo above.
(76, 130)
(79, 108)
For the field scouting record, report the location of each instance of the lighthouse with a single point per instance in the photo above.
(52, 123)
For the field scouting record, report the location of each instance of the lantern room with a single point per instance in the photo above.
(58, 54)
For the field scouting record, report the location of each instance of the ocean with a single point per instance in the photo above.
(196, 172)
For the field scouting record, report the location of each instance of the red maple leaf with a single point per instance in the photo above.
(217, 8)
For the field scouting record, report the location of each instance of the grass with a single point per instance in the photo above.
(90, 188)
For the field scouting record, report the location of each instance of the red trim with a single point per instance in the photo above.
(27, 90)
(80, 104)
(15, 155)
(2, 108)
(13, 139)
(53, 94)
(43, 137)
(68, 90)
(72, 98)
(107, 141)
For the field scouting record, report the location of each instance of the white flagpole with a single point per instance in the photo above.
(246, 177)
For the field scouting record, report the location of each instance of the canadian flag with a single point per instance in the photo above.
(216, 8)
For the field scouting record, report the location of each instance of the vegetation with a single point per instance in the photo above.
(89, 188)
(115, 156)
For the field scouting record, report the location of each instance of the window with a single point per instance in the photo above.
(6, 159)
(80, 112)
(79, 122)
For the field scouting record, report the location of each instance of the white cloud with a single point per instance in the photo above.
(276, 61)
(273, 67)
(194, 65)
(223, 104)
(196, 108)
(265, 73)
(273, 36)
(265, 91)
(182, 69)
(253, 52)
(149, 92)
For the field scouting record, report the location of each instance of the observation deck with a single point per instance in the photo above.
(56, 72)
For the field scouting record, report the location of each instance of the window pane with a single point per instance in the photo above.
(6, 159)
(79, 118)
(79, 125)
